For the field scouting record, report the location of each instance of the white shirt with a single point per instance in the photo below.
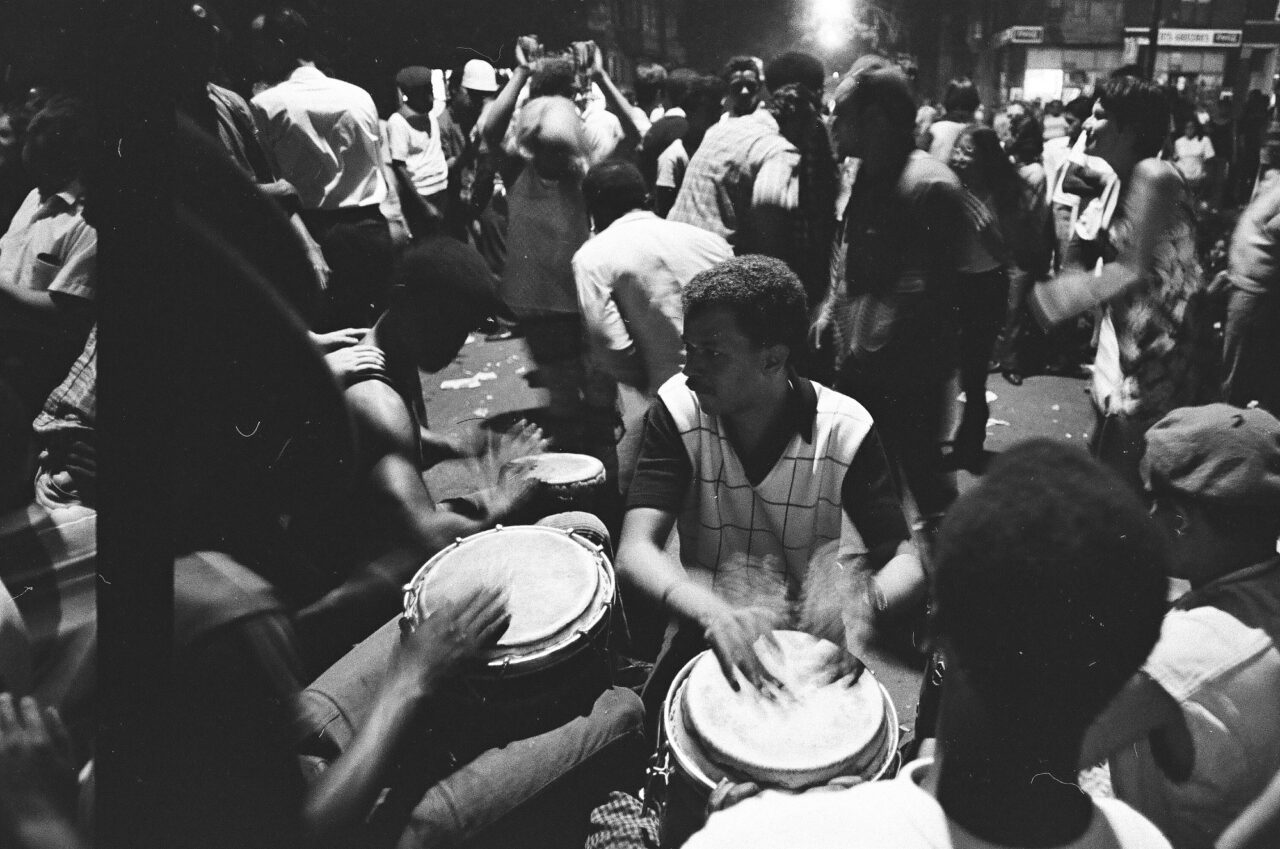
(601, 127)
(322, 136)
(1218, 659)
(895, 814)
(672, 163)
(1191, 155)
(629, 280)
(421, 153)
(49, 247)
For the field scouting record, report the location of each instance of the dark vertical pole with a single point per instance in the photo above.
(136, 333)
(1153, 37)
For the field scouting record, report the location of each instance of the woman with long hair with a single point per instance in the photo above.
(992, 199)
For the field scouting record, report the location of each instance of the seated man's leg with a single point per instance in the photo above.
(533, 791)
(539, 791)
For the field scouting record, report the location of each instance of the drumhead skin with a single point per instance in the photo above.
(811, 733)
(561, 469)
(552, 580)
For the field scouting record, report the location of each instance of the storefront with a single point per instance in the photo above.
(1198, 62)
(1031, 70)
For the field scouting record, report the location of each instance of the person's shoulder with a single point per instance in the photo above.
(925, 171)
(842, 406)
(879, 812)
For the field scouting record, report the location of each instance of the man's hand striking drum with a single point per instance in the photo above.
(732, 633)
(450, 636)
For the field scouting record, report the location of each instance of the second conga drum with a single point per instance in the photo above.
(570, 481)
(812, 732)
(552, 662)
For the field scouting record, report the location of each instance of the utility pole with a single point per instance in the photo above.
(1153, 37)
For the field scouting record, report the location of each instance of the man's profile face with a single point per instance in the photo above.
(722, 365)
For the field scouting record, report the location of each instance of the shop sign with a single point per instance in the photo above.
(1191, 37)
(1020, 35)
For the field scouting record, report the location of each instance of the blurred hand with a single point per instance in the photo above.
(732, 633)
(451, 636)
(319, 265)
(359, 361)
(335, 339)
(522, 440)
(841, 665)
(1220, 283)
(979, 216)
(528, 50)
(37, 768)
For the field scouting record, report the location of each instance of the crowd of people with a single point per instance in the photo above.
(792, 275)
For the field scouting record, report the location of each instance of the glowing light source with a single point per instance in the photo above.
(832, 22)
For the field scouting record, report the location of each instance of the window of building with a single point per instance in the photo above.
(1191, 13)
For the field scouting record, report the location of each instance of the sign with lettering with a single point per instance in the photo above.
(1020, 35)
(1190, 37)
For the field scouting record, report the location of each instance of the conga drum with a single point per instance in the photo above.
(570, 481)
(552, 662)
(812, 732)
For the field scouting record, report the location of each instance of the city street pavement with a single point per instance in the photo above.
(1052, 407)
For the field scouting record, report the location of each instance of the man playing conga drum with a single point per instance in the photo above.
(779, 485)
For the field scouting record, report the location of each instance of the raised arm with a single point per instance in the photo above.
(618, 105)
(495, 120)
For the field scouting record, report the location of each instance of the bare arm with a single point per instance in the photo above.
(1258, 825)
(732, 632)
(1141, 707)
(1152, 200)
(343, 795)
(495, 120)
(618, 105)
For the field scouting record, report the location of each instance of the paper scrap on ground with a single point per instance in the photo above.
(997, 423)
(486, 375)
(461, 383)
(991, 396)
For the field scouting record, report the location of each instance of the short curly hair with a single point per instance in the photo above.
(1049, 585)
(763, 293)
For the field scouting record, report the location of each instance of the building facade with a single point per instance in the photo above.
(1056, 49)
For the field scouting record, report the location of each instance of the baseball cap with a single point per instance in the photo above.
(1215, 453)
(478, 75)
(414, 76)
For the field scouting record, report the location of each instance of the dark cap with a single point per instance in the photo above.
(414, 76)
(443, 270)
(1215, 453)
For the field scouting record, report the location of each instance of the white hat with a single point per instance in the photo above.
(478, 75)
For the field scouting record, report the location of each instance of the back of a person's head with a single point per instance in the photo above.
(1080, 107)
(613, 188)
(678, 83)
(763, 293)
(883, 86)
(287, 26)
(703, 91)
(793, 68)
(553, 75)
(1138, 104)
(651, 79)
(61, 135)
(742, 63)
(1049, 586)
(961, 96)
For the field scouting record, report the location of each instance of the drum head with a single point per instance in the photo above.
(559, 469)
(551, 580)
(811, 733)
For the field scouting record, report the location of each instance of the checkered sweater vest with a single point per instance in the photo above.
(755, 544)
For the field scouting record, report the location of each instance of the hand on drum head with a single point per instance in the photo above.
(452, 634)
(732, 633)
(842, 665)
